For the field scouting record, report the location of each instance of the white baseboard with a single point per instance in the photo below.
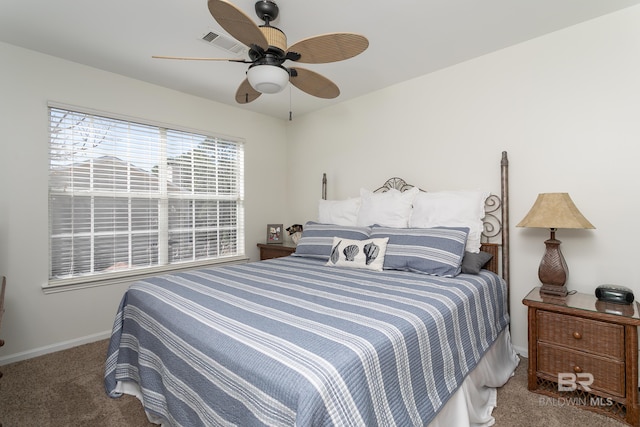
(524, 352)
(17, 357)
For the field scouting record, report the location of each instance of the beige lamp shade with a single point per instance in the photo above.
(554, 210)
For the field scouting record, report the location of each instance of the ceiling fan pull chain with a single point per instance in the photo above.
(290, 113)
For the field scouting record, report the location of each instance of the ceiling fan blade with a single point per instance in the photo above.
(237, 23)
(191, 58)
(245, 93)
(313, 83)
(329, 47)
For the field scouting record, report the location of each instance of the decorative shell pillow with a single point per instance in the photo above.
(367, 254)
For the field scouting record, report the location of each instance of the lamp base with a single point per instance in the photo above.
(553, 270)
(554, 290)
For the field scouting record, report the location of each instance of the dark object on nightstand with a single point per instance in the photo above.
(583, 352)
(615, 294)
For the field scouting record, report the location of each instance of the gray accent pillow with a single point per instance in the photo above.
(472, 263)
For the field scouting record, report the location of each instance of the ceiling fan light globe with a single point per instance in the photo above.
(268, 78)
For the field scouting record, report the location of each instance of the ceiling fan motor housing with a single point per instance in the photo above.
(275, 37)
(267, 10)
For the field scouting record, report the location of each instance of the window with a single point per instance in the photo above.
(136, 198)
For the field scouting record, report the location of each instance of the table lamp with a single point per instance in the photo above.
(553, 211)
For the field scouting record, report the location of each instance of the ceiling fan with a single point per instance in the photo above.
(268, 51)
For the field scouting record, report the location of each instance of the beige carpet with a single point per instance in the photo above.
(66, 389)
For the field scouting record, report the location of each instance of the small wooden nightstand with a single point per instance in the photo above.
(275, 250)
(588, 340)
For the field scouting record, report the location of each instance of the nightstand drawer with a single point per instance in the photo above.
(596, 337)
(275, 250)
(608, 374)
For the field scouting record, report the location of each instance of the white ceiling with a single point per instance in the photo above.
(408, 38)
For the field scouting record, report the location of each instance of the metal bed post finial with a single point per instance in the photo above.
(324, 186)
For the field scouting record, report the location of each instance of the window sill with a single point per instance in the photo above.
(130, 276)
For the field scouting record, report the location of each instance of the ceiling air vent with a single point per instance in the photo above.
(224, 42)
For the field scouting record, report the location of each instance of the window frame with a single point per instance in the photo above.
(131, 273)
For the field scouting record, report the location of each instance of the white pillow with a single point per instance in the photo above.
(451, 209)
(339, 212)
(367, 254)
(389, 209)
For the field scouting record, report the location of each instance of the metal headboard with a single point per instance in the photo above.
(495, 221)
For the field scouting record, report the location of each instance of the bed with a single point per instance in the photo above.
(312, 340)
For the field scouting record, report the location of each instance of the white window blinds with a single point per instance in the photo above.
(129, 196)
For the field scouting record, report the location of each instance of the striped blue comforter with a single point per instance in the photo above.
(290, 341)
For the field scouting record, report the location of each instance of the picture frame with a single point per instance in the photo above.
(275, 233)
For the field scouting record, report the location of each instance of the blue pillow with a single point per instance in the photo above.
(437, 251)
(317, 239)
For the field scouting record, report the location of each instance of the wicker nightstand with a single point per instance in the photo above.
(275, 250)
(593, 345)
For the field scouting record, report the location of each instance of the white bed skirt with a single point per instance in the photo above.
(474, 401)
(470, 406)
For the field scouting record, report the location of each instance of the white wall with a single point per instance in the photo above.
(34, 322)
(566, 108)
